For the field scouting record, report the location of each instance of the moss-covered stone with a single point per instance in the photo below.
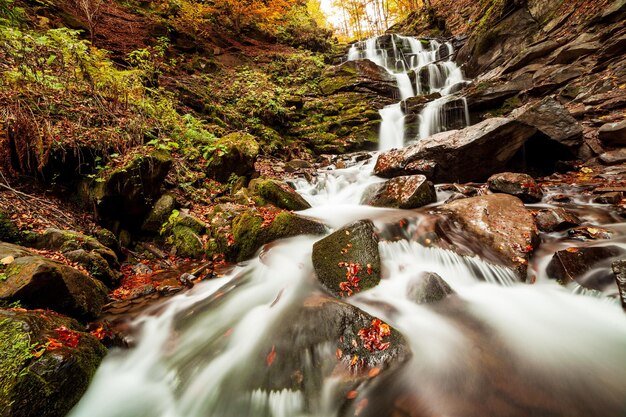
(38, 282)
(234, 154)
(126, 194)
(70, 240)
(40, 381)
(96, 265)
(252, 229)
(279, 194)
(8, 230)
(187, 242)
(159, 214)
(348, 261)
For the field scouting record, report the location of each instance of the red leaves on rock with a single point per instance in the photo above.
(100, 333)
(269, 360)
(351, 284)
(269, 215)
(372, 337)
(65, 338)
(351, 395)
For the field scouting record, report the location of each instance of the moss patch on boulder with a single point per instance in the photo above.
(36, 379)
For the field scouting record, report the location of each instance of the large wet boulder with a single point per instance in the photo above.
(100, 260)
(348, 261)
(522, 186)
(359, 76)
(126, 194)
(46, 363)
(428, 288)
(278, 193)
(406, 192)
(38, 282)
(554, 121)
(613, 134)
(254, 228)
(455, 153)
(572, 264)
(497, 227)
(357, 344)
(234, 154)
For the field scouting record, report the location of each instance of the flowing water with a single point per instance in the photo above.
(435, 72)
(497, 348)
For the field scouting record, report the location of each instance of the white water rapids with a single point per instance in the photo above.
(499, 348)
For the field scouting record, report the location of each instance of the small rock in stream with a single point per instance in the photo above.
(406, 192)
(428, 288)
(572, 264)
(555, 219)
(522, 186)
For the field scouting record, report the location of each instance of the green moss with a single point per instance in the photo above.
(8, 230)
(16, 351)
(279, 194)
(187, 242)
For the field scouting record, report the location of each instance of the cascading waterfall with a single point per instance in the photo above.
(405, 55)
(498, 347)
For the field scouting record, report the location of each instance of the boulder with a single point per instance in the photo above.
(407, 192)
(428, 288)
(347, 261)
(361, 76)
(46, 364)
(573, 263)
(357, 344)
(159, 214)
(187, 242)
(279, 194)
(96, 265)
(522, 186)
(555, 220)
(255, 228)
(68, 240)
(619, 269)
(496, 227)
(553, 120)
(38, 282)
(126, 194)
(455, 153)
(8, 230)
(613, 134)
(615, 157)
(234, 154)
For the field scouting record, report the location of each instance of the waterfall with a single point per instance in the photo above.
(405, 54)
(496, 347)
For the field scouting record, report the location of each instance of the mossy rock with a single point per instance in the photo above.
(70, 240)
(351, 250)
(8, 230)
(159, 214)
(128, 193)
(187, 243)
(35, 381)
(38, 282)
(279, 194)
(234, 154)
(251, 230)
(96, 265)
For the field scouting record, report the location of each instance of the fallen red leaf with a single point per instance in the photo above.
(271, 356)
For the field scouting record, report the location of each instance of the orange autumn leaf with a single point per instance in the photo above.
(271, 356)
(351, 395)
